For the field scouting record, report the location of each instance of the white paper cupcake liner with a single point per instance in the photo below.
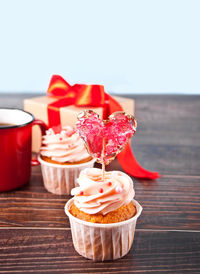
(60, 179)
(101, 242)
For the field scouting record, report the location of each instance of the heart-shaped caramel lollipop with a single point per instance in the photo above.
(105, 138)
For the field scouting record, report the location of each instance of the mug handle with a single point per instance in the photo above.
(43, 127)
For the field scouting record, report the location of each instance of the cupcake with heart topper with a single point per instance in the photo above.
(103, 212)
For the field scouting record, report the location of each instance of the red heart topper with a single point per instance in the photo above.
(105, 138)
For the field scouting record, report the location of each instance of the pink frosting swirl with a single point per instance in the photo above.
(65, 146)
(96, 196)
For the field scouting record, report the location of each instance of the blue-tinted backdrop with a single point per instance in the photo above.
(147, 46)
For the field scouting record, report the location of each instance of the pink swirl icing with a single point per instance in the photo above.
(96, 196)
(65, 146)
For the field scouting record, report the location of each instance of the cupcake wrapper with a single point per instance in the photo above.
(60, 179)
(101, 242)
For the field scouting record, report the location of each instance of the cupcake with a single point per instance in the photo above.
(103, 214)
(62, 156)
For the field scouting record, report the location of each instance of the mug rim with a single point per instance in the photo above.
(20, 125)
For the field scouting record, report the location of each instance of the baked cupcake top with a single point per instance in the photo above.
(64, 146)
(96, 196)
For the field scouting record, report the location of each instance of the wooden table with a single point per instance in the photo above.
(35, 235)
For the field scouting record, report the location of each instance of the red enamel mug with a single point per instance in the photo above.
(15, 147)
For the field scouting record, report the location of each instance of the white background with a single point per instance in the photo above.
(129, 46)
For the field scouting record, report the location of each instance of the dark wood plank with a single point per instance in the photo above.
(168, 119)
(34, 231)
(169, 203)
(15, 100)
(169, 159)
(162, 119)
(52, 251)
(166, 159)
(168, 131)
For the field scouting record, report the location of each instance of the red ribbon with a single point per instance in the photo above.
(91, 96)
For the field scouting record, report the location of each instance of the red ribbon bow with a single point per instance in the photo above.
(92, 96)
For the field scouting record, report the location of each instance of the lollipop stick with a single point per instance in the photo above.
(103, 162)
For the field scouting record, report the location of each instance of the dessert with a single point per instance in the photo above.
(103, 212)
(108, 201)
(62, 156)
(64, 147)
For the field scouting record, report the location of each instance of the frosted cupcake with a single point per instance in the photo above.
(103, 214)
(62, 156)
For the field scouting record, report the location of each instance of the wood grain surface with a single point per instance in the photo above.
(35, 235)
